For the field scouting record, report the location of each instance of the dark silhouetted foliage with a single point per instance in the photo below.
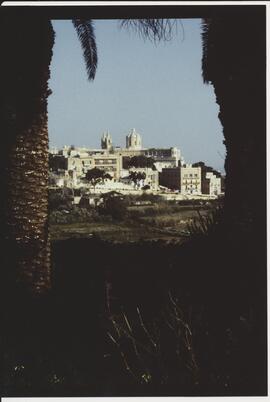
(140, 161)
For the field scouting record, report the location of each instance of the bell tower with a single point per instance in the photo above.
(106, 141)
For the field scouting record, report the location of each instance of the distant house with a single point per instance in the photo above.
(211, 179)
(191, 180)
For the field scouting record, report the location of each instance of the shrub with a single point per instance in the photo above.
(75, 215)
(114, 206)
(59, 200)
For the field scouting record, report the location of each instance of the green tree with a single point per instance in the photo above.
(95, 176)
(137, 176)
(141, 161)
(114, 205)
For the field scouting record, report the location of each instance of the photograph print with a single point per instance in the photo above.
(133, 207)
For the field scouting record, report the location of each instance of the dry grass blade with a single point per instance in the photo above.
(121, 331)
(112, 338)
(145, 329)
(127, 322)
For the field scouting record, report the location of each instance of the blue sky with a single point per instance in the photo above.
(155, 88)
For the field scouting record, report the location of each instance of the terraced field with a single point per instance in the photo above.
(163, 226)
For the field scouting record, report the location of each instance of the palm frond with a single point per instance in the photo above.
(86, 34)
(155, 29)
(206, 26)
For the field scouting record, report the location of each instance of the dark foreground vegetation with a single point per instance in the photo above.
(147, 318)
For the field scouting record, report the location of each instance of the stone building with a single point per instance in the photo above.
(110, 158)
(210, 179)
(191, 180)
(163, 157)
(186, 179)
(214, 183)
(109, 163)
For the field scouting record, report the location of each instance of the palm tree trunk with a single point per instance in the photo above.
(24, 174)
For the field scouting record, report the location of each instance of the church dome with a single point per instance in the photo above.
(133, 140)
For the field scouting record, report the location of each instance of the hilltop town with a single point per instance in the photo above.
(132, 170)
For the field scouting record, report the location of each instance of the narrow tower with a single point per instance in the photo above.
(106, 141)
